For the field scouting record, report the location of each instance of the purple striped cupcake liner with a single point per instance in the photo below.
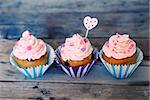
(37, 71)
(122, 71)
(79, 71)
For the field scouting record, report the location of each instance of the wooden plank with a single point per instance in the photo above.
(69, 91)
(48, 25)
(43, 17)
(105, 18)
(72, 6)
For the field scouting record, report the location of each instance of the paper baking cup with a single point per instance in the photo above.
(122, 71)
(37, 71)
(76, 71)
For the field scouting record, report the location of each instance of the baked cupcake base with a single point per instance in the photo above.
(78, 71)
(72, 63)
(128, 60)
(121, 71)
(26, 63)
(38, 70)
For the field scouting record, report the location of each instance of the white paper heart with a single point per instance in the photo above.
(89, 22)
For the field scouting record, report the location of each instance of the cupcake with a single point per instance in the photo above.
(121, 56)
(76, 56)
(31, 56)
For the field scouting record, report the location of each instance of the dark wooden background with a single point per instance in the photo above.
(63, 18)
(53, 21)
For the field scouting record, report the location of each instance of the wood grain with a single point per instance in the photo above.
(43, 17)
(72, 6)
(69, 91)
(54, 20)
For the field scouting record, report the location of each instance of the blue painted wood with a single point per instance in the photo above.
(73, 6)
(59, 19)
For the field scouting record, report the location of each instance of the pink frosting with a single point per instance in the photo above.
(119, 46)
(76, 48)
(29, 47)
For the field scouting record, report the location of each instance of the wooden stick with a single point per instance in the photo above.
(87, 31)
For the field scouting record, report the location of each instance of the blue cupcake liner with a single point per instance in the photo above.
(79, 71)
(37, 71)
(122, 71)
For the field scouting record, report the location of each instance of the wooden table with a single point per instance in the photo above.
(56, 85)
(53, 21)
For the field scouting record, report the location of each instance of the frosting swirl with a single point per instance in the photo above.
(76, 48)
(29, 47)
(119, 46)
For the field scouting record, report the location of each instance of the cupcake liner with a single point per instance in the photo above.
(79, 71)
(123, 70)
(37, 71)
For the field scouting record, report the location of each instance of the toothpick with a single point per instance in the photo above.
(87, 31)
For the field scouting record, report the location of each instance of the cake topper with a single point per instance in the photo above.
(89, 23)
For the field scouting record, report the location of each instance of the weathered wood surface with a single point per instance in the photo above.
(70, 91)
(59, 19)
(56, 85)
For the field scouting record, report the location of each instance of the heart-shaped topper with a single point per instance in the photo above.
(89, 23)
